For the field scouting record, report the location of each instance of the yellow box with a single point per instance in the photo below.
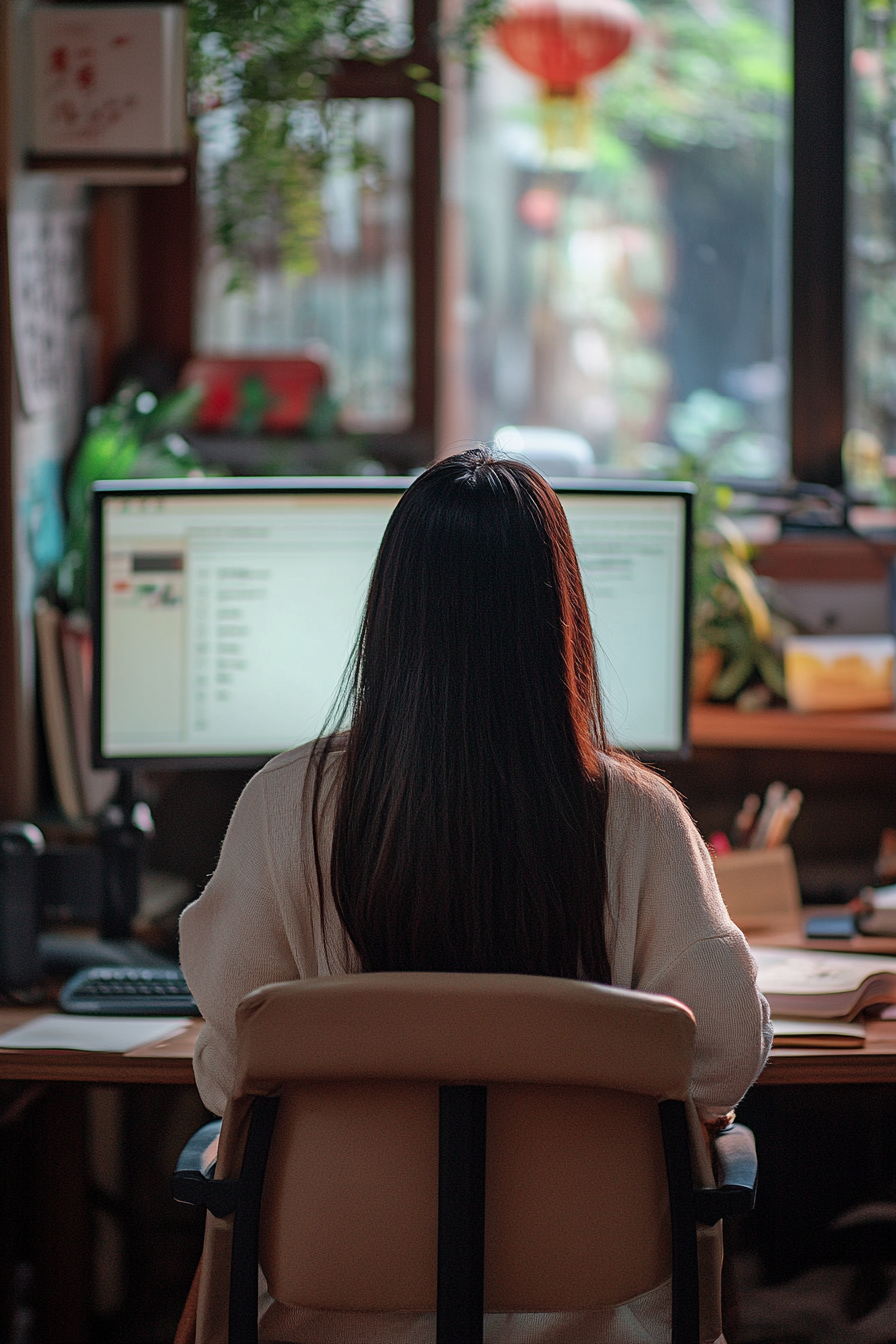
(839, 671)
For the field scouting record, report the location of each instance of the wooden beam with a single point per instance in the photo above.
(111, 248)
(168, 263)
(17, 764)
(818, 392)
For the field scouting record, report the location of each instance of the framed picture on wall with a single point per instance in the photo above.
(108, 80)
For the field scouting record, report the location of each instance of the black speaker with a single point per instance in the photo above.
(20, 845)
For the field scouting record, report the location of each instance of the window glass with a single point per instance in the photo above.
(627, 244)
(398, 13)
(870, 443)
(338, 285)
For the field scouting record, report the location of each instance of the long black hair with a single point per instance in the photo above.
(469, 804)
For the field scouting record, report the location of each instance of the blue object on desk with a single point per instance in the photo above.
(127, 991)
(831, 926)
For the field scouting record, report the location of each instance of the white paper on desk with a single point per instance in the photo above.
(883, 898)
(112, 1035)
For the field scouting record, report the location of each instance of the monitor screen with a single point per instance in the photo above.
(226, 610)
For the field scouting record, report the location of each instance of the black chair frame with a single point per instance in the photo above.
(461, 1225)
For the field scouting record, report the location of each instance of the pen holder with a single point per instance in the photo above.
(760, 887)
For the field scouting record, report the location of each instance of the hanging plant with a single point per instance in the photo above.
(258, 82)
(279, 51)
(464, 39)
(258, 72)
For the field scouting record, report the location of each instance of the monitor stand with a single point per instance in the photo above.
(125, 826)
(64, 953)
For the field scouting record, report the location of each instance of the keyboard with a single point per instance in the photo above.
(127, 991)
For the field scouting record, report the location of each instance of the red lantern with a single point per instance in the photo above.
(564, 42)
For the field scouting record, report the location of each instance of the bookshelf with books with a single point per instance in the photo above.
(65, 659)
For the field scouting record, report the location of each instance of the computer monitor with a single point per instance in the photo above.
(226, 610)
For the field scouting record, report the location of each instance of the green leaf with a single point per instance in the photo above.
(771, 669)
(176, 411)
(733, 677)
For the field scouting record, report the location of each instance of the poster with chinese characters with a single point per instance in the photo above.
(109, 79)
(47, 301)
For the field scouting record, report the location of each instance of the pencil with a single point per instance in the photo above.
(774, 797)
(786, 814)
(745, 820)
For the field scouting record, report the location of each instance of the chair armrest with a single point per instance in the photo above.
(735, 1162)
(194, 1181)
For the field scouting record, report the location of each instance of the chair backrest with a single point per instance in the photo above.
(577, 1211)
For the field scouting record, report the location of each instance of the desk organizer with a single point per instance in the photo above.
(760, 887)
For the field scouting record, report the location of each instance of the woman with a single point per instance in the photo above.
(473, 816)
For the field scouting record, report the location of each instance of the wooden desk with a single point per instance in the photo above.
(875, 1062)
(49, 1118)
(795, 937)
(169, 1061)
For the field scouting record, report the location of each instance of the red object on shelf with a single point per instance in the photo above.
(566, 41)
(254, 392)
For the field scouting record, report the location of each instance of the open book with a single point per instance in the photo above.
(823, 984)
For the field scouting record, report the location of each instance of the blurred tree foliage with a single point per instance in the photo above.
(873, 221)
(704, 73)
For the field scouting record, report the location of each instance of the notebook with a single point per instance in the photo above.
(808, 1034)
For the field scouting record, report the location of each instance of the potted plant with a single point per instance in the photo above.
(737, 632)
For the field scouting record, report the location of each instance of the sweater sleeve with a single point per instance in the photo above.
(233, 940)
(686, 946)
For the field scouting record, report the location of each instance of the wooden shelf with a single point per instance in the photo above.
(166, 170)
(723, 726)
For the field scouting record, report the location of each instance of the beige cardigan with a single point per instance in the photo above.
(667, 932)
(667, 929)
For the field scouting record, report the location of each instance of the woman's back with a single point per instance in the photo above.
(260, 921)
(471, 816)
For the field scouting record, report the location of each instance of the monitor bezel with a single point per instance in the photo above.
(279, 485)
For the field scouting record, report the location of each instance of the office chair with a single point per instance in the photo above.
(458, 1143)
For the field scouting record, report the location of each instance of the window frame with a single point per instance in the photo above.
(390, 79)
(818, 338)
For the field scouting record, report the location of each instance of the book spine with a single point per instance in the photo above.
(56, 714)
(97, 786)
